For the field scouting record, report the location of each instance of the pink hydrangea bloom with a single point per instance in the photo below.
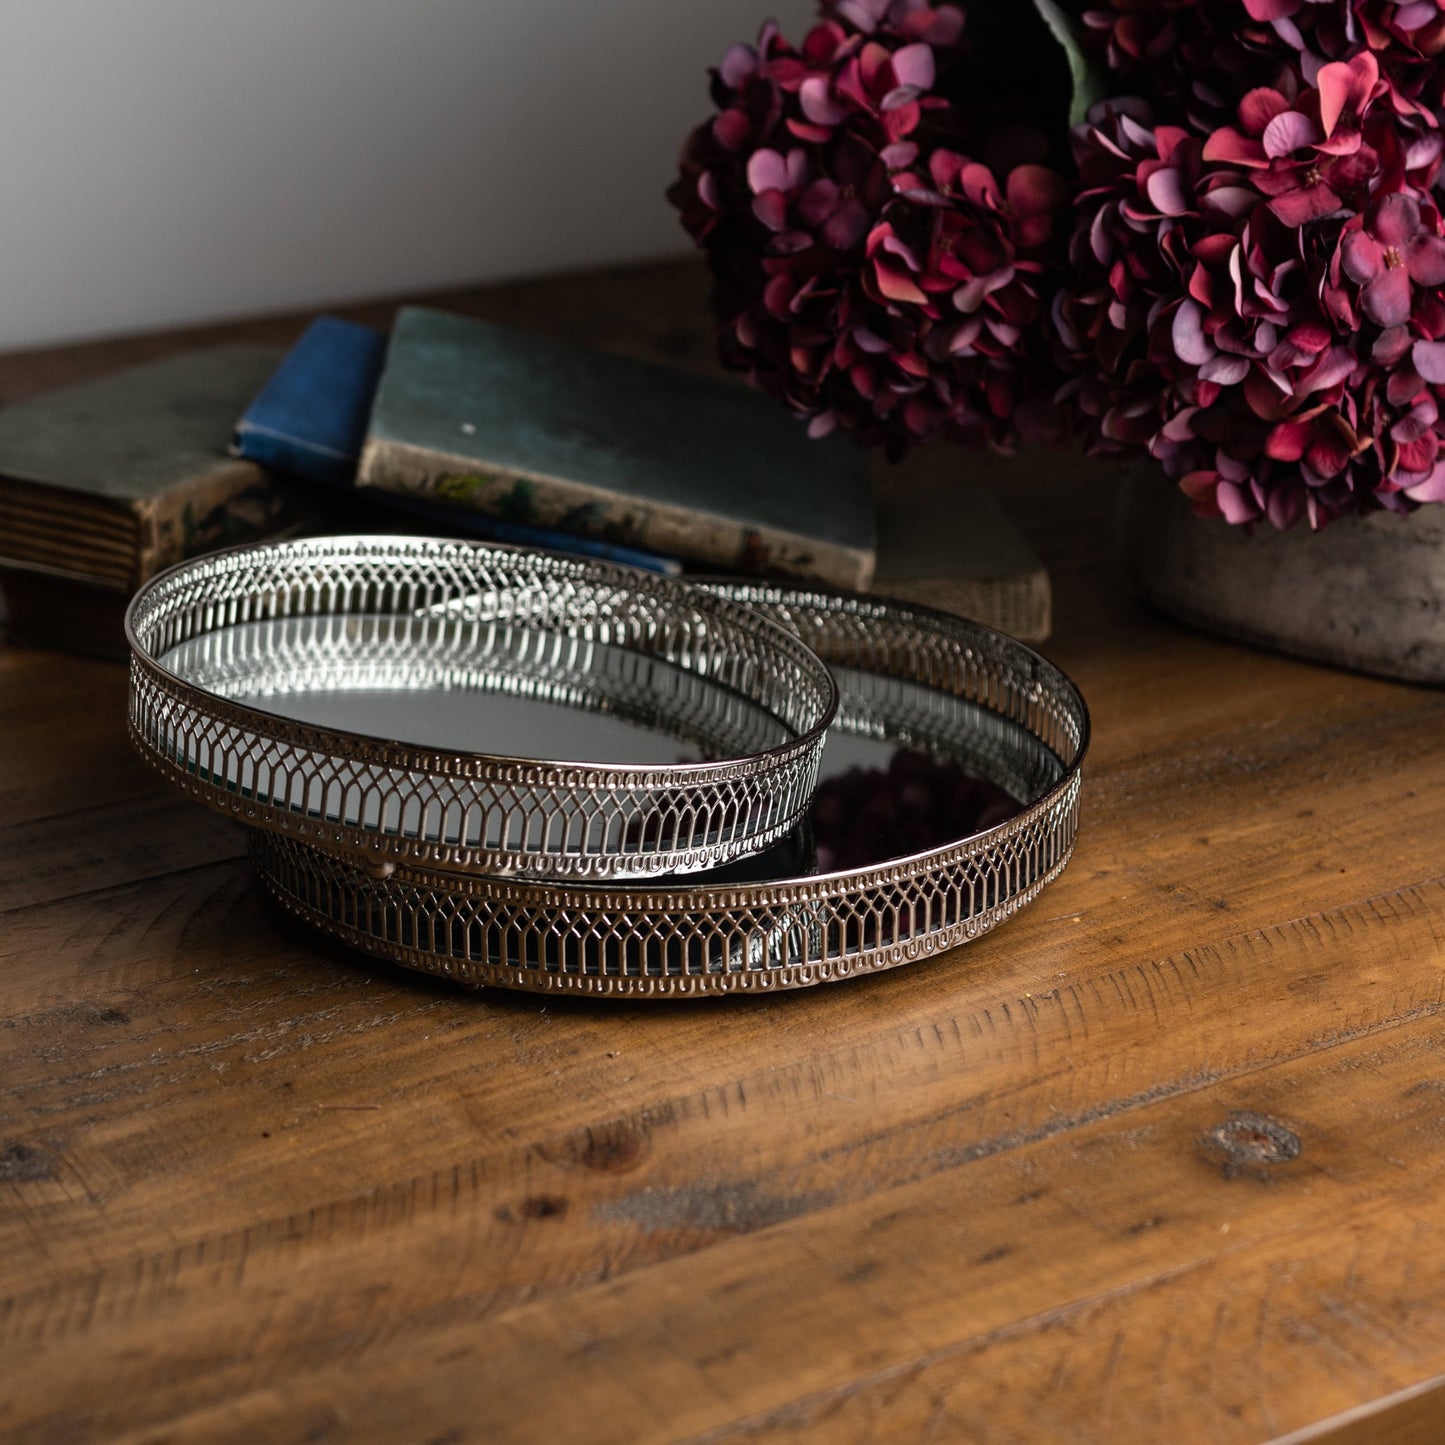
(876, 267)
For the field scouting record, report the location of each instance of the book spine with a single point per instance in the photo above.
(564, 505)
(516, 534)
(237, 502)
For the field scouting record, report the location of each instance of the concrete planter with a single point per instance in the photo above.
(1365, 593)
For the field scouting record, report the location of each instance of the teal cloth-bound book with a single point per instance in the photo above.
(543, 433)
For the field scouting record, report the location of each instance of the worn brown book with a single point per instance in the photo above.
(114, 480)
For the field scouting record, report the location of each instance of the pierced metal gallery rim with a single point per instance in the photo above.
(346, 617)
(908, 676)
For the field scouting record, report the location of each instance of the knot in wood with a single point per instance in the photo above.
(1249, 1142)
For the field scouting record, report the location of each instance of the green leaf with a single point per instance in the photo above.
(1090, 82)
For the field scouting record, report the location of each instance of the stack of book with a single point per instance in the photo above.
(452, 425)
(105, 484)
(515, 436)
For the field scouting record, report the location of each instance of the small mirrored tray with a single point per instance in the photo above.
(477, 708)
(948, 799)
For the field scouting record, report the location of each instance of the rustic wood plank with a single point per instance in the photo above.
(49, 858)
(754, 1325)
(952, 1095)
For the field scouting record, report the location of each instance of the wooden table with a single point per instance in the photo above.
(1161, 1159)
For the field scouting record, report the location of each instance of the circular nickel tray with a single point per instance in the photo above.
(949, 799)
(399, 699)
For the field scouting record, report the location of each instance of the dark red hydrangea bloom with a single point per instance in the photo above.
(870, 269)
(1197, 57)
(1262, 307)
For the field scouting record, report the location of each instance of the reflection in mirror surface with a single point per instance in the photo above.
(906, 769)
(478, 687)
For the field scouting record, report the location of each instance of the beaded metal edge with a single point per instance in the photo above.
(693, 941)
(461, 811)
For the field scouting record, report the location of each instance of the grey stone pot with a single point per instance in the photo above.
(1365, 593)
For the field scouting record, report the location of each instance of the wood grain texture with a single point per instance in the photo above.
(1161, 1159)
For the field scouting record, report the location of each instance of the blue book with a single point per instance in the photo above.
(309, 421)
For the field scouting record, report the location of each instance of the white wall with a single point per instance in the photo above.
(170, 161)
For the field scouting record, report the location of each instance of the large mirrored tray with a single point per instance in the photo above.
(351, 692)
(928, 702)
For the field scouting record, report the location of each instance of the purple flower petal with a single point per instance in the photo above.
(1225, 370)
(1390, 345)
(1396, 220)
(1335, 366)
(1362, 257)
(819, 104)
(767, 171)
(771, 208)
(970, 296)
(1425, 260)
(1386, 300)
(862, 14)
(1140, 136)
(1288, 440)
(1355, 172)
(1165, 188)
(1234, 503)
(1432, 489)
(1260, 107)
(737, 65)
(897, 246)
(897, 98)
(960, 342)
(913, 66)
(1429, 359)
(1423, 150)
(1191, 345)
(789, 243)
(1003, 332)
(1345, 85)
(731, 128)
(1298, 208)
(1288, 132)
(1404, 385)
(1284, 508)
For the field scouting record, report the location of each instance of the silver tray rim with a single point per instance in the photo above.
(1058, 807)
(351, 746)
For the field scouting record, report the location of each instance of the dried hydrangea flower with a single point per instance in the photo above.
(1261, 307)
(877, 266)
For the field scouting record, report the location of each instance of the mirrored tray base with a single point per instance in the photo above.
(948, 799)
